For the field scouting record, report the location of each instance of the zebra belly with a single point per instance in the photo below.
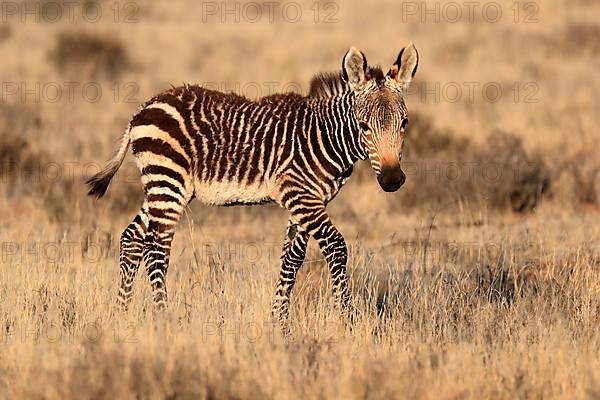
(231, 193)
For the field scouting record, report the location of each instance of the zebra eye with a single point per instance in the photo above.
(404, 123)
(363, 125)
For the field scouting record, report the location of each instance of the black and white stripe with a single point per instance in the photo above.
(223, 149)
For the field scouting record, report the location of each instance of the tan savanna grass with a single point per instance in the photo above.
(464, 288)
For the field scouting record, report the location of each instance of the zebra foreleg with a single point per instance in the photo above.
(333, 246)
(313, 219)
(334, 249)
(294, 252)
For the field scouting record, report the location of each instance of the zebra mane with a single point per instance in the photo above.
(327, 84)
(331, 84)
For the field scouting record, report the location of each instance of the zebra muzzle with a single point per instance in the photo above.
(391, 178)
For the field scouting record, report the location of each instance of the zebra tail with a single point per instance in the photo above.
(99, 182)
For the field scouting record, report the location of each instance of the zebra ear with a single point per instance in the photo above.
(405, 66)
(354, 68)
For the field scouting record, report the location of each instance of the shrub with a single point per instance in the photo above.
(18, 154)
(99, 55)
(579, 37)
(444, 169)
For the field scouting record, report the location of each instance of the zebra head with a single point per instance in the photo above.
(380, 112)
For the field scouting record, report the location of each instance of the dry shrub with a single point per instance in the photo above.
(20, 159)
(581, 175)
(99, 55)
(585, 183)
(581, 36)
(424, 139)
(27, 169)
(523, 177)
(495, 283)
(444, 170)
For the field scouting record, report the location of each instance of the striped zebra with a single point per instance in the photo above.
(296, 151)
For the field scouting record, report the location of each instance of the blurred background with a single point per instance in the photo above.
(502, 111)
(511, 84)
(501, 153)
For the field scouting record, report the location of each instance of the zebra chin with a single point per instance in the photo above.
(391, 178)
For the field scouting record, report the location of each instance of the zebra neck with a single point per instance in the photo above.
(336, 119)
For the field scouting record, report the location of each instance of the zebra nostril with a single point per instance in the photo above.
(381, 180)
(402, 178)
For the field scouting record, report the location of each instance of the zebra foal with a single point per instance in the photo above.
(297, 151)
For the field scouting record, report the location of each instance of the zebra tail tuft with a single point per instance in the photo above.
(98, 184)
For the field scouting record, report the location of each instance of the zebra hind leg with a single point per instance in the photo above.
(157, 246)
(130, 254)
(294, 252)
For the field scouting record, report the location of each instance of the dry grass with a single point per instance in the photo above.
(464, 287)
(450, 312)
